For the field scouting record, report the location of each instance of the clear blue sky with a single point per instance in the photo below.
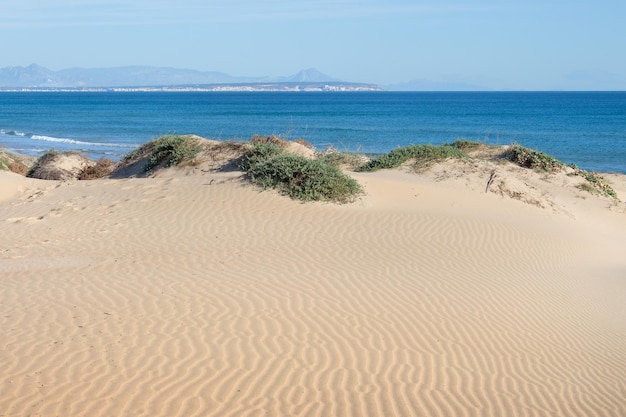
(499, 44)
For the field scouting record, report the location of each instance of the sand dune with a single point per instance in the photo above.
(198, 295)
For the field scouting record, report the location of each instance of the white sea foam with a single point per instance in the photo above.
(12, 133)
(68, 141)
(80, 142)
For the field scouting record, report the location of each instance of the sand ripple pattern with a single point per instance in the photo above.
(173, 297)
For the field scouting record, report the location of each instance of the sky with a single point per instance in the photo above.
(488, 44)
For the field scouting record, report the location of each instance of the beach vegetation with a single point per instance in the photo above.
(423, 156)
(304, 143)
(273, 139)
(530, 158)
(349, 160)
(14, 163)
(59, 166)
(540, 161)
(465, 145)
(260, 152)
(18, 167)
(171, 150)
(596, 183)
(222, 156)
(164, 152)
(269, 166)
(101, 169)
(586, 186)
(39, 167)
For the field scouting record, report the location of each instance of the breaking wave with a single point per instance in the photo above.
(53, 139)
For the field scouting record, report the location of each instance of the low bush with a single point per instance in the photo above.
(171, 150)
(261, 151)
(424, 156)
(529, 158)
(268, 166)
(164, 151)
(596, 182)
(540, 161)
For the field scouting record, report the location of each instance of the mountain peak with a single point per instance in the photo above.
(310, 75)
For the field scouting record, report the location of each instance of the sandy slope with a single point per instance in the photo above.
(199, 296)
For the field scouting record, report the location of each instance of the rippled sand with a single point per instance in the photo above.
(198, 296)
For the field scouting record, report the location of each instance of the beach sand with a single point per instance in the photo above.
(199, 295)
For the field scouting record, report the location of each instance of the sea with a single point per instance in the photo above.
(583, 128)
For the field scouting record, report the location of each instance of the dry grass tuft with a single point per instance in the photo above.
(103, 168)
(303, 142)
(19, 164)
(18, 168)
(273, 139)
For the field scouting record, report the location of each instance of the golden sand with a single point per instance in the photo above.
(198, 295)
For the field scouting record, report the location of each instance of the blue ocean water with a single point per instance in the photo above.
(585, 128)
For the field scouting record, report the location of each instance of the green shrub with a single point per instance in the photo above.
(164, 151)
(424, 156)
(532, 159)
(597, 182)
(339, 159)
(172, 150)
(261, 151)
(529, 158)
(268, 166)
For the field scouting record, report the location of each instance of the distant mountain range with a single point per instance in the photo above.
(35, 76)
